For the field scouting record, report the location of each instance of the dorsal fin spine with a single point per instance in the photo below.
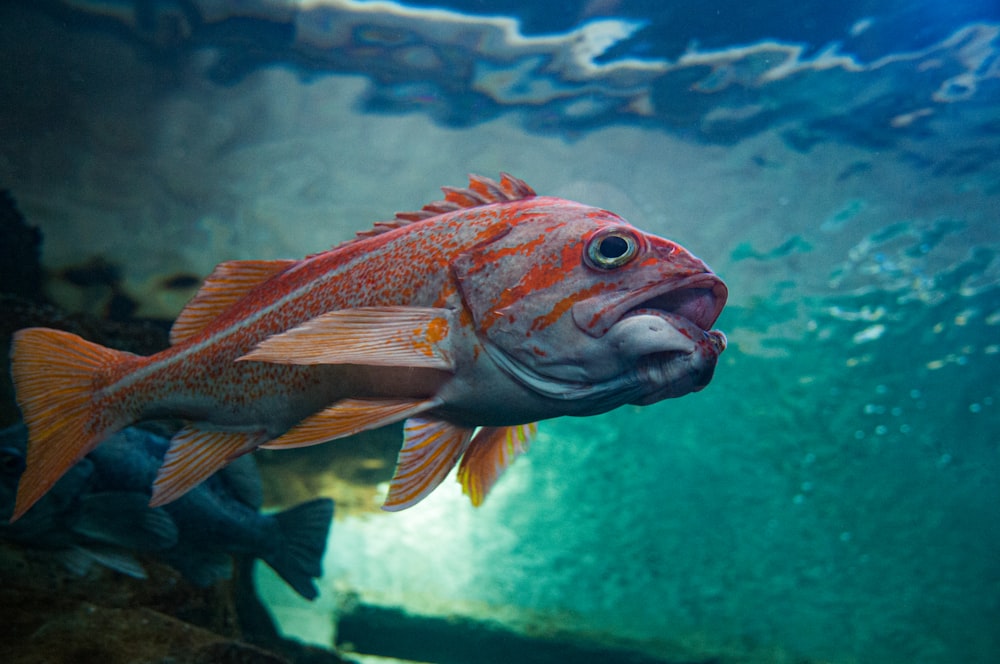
(481, 191)
(486, 187)
(464, 197)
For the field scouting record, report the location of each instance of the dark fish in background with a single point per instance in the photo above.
(223, 519)
(72, 522)
(100, 512)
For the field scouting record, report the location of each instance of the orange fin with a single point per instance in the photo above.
(431, 448)
(55, 374)
(348, 417)
(227, 284)
(481, 191)
(194, 455)
(383, 336)
(492, 450)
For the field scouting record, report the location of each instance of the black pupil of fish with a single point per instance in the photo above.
(11, 463)
(613, 247)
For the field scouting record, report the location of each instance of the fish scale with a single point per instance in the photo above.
(463, 318)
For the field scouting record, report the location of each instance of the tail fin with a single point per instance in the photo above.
(299, 557)
(55, 374)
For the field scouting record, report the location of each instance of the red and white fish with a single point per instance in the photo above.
(471, 319)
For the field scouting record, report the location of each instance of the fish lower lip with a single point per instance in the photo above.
(668, 373)
(716, 338)
(645, 332)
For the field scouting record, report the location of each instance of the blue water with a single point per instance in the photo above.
(832, 496)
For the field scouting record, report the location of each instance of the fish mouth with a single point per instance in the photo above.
(663, 333)
(699, 299)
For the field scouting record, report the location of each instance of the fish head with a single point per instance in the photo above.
(579, 305)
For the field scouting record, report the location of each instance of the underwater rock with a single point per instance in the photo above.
(453, 640)
(20, 246)
(51, 615)
(48, 614)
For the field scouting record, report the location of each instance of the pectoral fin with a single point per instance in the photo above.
(430, 450)
(348, 417)
(383, 336)
(194, 455)
(492, 450)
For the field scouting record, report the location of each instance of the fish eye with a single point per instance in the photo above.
(11, 462)
(612, 249)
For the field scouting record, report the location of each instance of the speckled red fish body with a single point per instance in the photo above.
(470, 319)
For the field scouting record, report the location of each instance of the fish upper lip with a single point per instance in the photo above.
(699, 298)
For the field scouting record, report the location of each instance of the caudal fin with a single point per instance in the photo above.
(299, 557)
(55, 374)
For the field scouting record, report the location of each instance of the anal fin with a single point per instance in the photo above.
(194, 455)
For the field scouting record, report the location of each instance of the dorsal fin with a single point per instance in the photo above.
(228, 283)
(481, 191)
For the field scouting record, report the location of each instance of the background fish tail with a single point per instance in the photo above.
(56, 375)
(298, 558)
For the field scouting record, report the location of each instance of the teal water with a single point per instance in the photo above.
(832, 496)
